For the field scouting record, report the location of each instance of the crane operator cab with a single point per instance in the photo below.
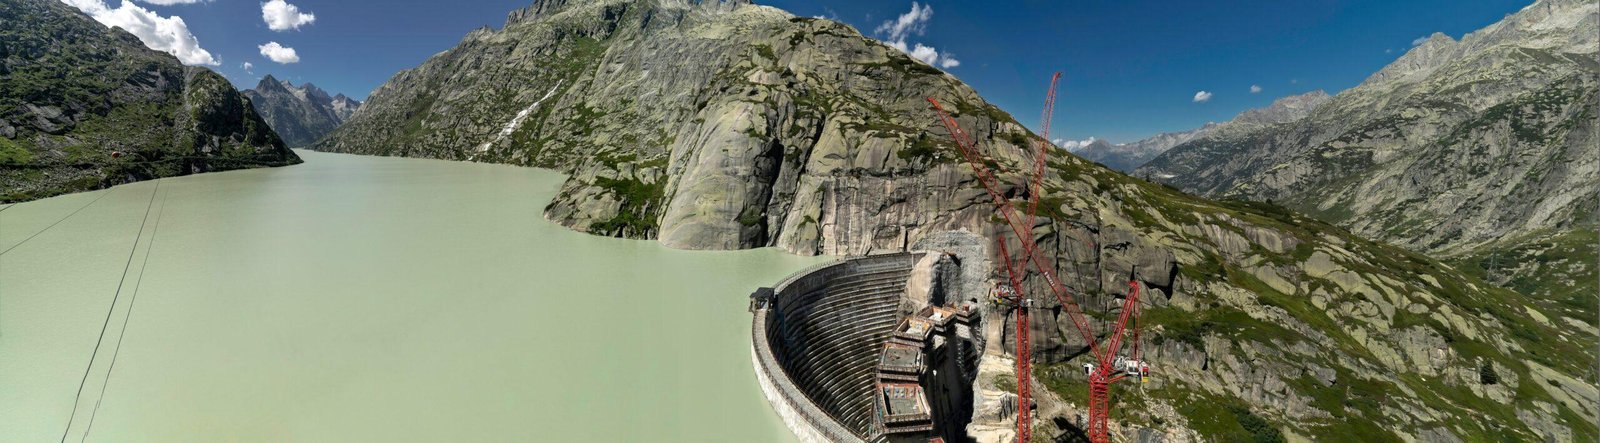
(1133, 368)
(1003, 295)
(1006, 297)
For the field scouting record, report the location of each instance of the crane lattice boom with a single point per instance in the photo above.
(1106, 370)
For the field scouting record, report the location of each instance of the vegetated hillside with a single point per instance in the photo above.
(300, 114)
(1127, 157)
(73, 91)
(1480, 151)
(728, 125)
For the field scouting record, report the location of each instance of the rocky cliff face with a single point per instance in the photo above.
(343, 107)
(1127, 157)
(721, 125)
(1478, 150)
(300, 114)
(73, 92)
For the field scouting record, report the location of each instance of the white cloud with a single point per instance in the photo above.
(282, 16)
(1388, 51)
(166, 34)
(1419, 40)
(914, 22)
(1255, 89)
(1202, 97)
(1074, 145)
(279, 53)
(171, 2)
(247, 67)
(831, 15)
(925, 53)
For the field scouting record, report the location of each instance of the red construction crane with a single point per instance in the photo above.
(1109, 366)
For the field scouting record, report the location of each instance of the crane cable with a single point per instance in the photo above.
(146, 162)
(52, 225)
(117, 350)
(110, 309)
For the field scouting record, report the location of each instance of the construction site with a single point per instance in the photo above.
(874, 348)
(886, 348)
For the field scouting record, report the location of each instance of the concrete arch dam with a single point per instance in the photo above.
(868, 349)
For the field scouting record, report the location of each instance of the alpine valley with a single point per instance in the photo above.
(300, 114)
(728, 125)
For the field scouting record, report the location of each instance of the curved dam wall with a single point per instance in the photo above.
(817, 339)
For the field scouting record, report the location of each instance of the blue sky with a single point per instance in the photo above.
(1131, 68)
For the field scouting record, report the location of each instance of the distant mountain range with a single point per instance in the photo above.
(84, 106)
(1126, 157)
(300, 114)
(1480, 150)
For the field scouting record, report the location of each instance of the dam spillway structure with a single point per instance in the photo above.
(879, 348)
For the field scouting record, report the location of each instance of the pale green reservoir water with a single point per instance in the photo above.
(368, 299)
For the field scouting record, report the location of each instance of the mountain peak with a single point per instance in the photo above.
(1099, 142)
(344, 105)
(270, 83)
(1437, 38)
(299, 114)
(545, 8)
(1283, 110)
(313, 91)
(1309, 95)
(537, 9)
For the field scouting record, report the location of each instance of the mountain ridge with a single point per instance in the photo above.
(1127, 157)
(300, 114)
(84, 106)
(1461, 148)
